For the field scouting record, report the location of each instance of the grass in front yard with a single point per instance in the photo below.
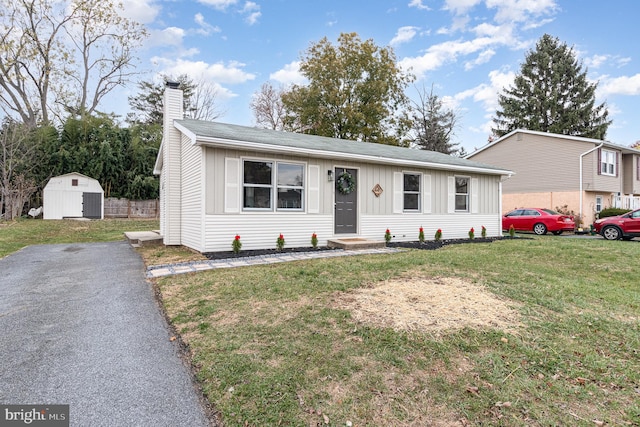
(15, 235)
(275, 345)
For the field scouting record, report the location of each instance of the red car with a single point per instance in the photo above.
(538, 220)
(625, 227)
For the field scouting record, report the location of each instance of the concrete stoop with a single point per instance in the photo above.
(143, 238)
(354, 243)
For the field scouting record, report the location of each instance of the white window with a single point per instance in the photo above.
(258, 185)
(411, 192)
(290, 186)
(608, 163)
(598, 203)
(462, 194)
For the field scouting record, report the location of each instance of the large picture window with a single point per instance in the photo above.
(462, 194)
(258, 186)
(608, 163)
(411, 191)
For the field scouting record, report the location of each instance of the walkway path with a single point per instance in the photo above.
(191, 267)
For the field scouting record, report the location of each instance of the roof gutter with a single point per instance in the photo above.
(581, 157)
(244, 145)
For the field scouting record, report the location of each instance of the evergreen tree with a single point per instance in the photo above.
(552, 94)
(354, 92)
(432, 124)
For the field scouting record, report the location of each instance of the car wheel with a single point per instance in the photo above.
(557, 232)
(611, 233)
(540, 229)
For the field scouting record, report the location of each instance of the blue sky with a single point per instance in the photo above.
(467, 49)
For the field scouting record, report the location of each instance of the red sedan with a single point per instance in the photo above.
(538, 220)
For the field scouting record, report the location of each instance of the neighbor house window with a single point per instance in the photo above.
(411, 191)
(462, 194)
(290, 186)
(257, 185)
(608, 163)
(598, 203)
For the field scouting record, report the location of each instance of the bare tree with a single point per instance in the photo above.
(58, 57)
(17, 155)
(432, 124)
(202, 103)
(267, 107)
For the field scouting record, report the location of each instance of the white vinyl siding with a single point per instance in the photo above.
(191, 215)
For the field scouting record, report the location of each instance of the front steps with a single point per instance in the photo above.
(354, 243)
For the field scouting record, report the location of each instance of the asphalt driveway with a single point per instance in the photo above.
(80, 326)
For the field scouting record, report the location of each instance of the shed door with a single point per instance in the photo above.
(346, 215)
(92, 205)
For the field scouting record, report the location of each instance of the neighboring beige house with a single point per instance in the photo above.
(551, 170)
(218, 180)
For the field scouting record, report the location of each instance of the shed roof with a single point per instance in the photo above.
(242, 137)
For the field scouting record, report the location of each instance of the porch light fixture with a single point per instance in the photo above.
(330, 175)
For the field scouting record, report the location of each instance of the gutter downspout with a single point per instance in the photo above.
(581, 156)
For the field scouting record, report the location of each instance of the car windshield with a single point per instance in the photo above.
(551, 212)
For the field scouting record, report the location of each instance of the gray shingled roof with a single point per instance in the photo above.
(214, 133)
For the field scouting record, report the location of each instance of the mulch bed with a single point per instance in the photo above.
(426, 245)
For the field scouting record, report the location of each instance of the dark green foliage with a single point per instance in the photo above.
(552, 94)
(604, 213)
(121, 159)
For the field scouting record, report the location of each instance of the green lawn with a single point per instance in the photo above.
(275, 345)
(280, 345)
(15, 235)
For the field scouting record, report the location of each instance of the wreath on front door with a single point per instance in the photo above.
(345, 183)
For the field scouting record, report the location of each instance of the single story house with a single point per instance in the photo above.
(552, 170)
(73, 195)
(221, 180)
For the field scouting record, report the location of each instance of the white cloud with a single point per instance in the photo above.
(143, 11)
(289, 75)
(252, 10)
(253, 18)
(170, 36)
(229, 73)
(520, 10)
(460, 6)
(205, 28)
(404, 35)
(418, 4)
(624, 85)
(483, 58)
(440, 54)
(596, 61)
(219, 4)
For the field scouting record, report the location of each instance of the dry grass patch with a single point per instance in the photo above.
(436, 305)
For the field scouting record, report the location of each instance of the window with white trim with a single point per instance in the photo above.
(411, 192)
(608, 163)
(598, 203)
(290, 186)
(258, 187)
(462, 194)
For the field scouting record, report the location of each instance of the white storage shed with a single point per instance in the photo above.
(73, 195)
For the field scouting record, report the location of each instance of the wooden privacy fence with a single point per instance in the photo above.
(125, 208)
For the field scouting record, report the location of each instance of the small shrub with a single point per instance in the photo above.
(236, 244)
(472, 233)
(314, 240)
(438, 235)
(512, 231)
(604, 213)
(483, 233)
(280, 242)
(421, 235)
(387, 236)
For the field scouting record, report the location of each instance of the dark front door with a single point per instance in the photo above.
(346, 194)
(92, 205)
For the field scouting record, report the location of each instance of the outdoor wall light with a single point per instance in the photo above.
(330, 175)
